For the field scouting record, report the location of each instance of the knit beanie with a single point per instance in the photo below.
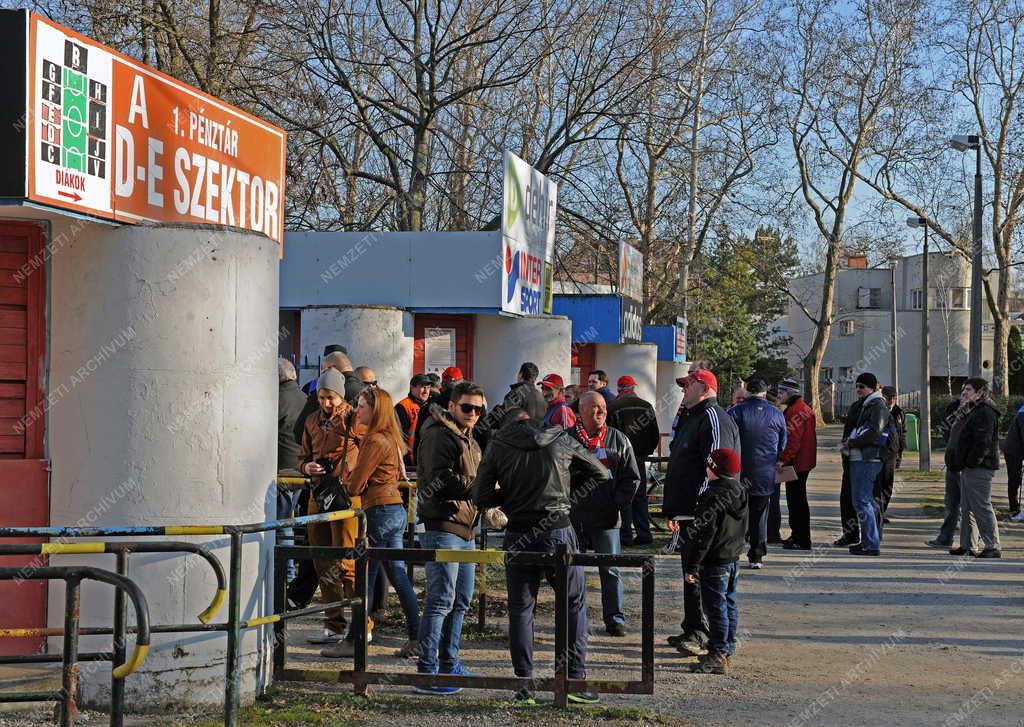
(869, 380)
(332, 380)
(724, 462)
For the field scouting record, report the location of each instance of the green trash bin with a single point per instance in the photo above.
(913, 445)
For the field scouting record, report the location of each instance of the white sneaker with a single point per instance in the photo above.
(326, 637)
(1019, 517)
(756, 565)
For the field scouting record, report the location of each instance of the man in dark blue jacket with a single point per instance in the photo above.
(704, 428)
(762, 431)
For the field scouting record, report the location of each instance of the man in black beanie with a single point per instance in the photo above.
(864, 448)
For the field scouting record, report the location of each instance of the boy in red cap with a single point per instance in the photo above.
(715, 540)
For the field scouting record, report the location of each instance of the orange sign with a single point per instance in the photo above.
(114, 138)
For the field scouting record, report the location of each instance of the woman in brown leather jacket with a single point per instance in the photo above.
(375, 480)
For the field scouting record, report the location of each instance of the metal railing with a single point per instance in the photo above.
(560, 560)
(70, 656)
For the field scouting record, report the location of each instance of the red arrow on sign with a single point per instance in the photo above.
(70, 195)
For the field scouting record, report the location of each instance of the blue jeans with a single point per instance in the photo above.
(718, 595)
(287, 502)
(612, 591)
(523, 583)
(385, 526)
(862, 482)
(449, 591)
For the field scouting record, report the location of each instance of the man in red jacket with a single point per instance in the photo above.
(801, 454)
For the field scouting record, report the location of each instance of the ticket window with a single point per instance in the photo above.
(441, 341)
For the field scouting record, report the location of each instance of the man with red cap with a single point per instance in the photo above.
(704, 428)
(711, 561)
(635, 418)
(559, 414)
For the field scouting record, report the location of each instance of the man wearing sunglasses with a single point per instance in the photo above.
(446, 464)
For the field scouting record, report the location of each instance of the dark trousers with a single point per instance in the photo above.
(694, 621)
(799, 509)
(884, 484)
(523, 583)
(951, 504)
(1013, 483)
(636, 514)
(302, 587)
(846, 510)
(775, 515)
(757, 527)
(718, 591)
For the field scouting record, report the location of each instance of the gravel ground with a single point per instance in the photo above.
(914, 637)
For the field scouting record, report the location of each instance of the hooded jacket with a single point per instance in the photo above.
(597, 500)
(716, 535)
(446, 463)
(704, 428)
(536, 468)
(1013, 444)
(801, 436)
(290, 403)
(865, 440)
(974, 438)
(762, 431)
(524, 395)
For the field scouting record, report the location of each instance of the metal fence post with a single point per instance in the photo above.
(481, 587)
(280, 606)
(120, 635)
(647, 623)
(359, 618)
(562, 559)
(69, 673)
(233, 679)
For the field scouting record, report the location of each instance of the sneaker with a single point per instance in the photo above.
(459, 670)
(989, 553)
(409, 650)
(434, 689)
(858, 550)
(616, 629)
(756, 564)
(713, 663)
(340, 650)
(588, 697)
(524, 698)
(691, 647)
(326, 637)
(937, 544)
(886, 521)
(793, 545)
(1019, 517)
(677, 639)
(846, 541)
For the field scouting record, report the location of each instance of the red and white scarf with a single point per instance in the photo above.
(594, 443)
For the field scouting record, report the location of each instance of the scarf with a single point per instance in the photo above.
(595, 444)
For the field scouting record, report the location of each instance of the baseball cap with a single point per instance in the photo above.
(888, 391)
(553, 380)
(626, 381)
(334, 348)
(420, 380)
(724, 462)
(452, 373)
(703, 376)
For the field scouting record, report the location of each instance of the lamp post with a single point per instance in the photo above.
(893, 262)
(925, 435)
(965, 143)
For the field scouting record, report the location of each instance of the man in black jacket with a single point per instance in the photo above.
(712, 560)
(847, 513)
(973, 453)
(537, 468)
(635, 418)
(524, 394)
(887, 477)
(596, 506)
(951, 500)
(704, 428)
(864, 448)
(1013, 453)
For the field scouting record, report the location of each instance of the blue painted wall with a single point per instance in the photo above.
(595, 318)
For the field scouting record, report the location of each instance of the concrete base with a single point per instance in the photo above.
(503, 344)
(162, 411)
(670, 396)
(639, 360)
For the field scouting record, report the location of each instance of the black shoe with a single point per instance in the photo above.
(960, 551)
(846, 541)
(885, 521)
(988, 553)
(777, 540)
(793, 545)
(938, 544)
(640, 540)
(858, 550)
(616, 629)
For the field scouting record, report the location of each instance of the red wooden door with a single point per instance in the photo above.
(24, 491)
(584, 358)
(462, 328)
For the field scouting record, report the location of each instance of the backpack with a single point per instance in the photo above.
(889, 447)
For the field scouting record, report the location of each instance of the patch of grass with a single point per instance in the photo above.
(292, 708)
(918, 476)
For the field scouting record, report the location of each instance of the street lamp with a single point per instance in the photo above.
(925, 434)
(893, 262)
(964, 143)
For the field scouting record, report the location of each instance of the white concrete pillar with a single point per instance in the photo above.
(639, 360)
(377, 336)
(163, 412)
(504, 343)
(670, 396)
